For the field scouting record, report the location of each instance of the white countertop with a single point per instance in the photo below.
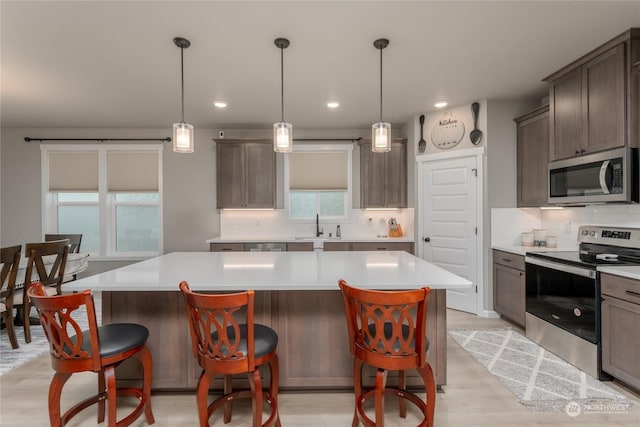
(630, 271)
(290, 239)
(262, 271)
(522, 250)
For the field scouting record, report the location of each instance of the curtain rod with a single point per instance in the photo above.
(167, 139)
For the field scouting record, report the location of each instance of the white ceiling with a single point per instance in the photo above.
(108, 64)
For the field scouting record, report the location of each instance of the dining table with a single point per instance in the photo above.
(296, 293)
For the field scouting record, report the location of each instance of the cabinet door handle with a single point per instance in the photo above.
(577, 151)
(635, 294)
(521, 274)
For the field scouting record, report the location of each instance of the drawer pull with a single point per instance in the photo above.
(635, 294)
(227, 249)
(506, 259)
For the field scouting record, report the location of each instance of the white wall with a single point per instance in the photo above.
(190, 213)
(495, 120)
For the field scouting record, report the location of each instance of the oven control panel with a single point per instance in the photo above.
(617, 236)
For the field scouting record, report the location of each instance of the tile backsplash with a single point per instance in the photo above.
(275, 223)
(507, 224)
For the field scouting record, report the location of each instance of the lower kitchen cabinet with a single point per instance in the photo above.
(383, 246)
(509, 288)
(336, 246)
(300, 246)
(620, 333)
(226, 247)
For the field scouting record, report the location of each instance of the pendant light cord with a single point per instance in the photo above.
(281, 84)
(182, 79)
(380, 85)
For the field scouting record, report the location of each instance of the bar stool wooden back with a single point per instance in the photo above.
(387, 330)
(99, 349)
(222, 345)
(9, 261)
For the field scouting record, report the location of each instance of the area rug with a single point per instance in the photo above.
(541, 380)
(12, 358)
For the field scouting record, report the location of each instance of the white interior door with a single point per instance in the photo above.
(449, 223)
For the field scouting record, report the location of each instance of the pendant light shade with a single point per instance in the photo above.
(282, 131)
(182, 132)
(381, 131)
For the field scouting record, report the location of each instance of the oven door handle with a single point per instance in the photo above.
(584, 272)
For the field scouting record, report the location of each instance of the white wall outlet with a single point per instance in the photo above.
(567, 227)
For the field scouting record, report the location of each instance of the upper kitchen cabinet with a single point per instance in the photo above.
(532, 157)
(246, 174)
(594, 100)
(383, 176)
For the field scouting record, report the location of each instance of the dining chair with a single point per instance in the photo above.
(74, 247)
(225, 344)
(10, 260)
(74, 240)
(98, 349)
(37, 270)
(387, 330)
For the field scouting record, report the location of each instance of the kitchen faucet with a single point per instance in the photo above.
(318, 231)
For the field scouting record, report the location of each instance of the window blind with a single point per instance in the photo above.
(73, 171)
(318, 171)
(132, 171)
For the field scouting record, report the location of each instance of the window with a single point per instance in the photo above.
(318, 181)
(111, 195)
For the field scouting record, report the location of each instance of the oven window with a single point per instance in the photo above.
(563, 299)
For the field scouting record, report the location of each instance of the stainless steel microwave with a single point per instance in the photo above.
(608, 176)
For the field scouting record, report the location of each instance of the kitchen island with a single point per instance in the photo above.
(296, 293)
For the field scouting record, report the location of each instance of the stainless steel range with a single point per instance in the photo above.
(563, 293)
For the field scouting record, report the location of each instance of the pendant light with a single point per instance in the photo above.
(182, 132)
(381, 131)
(282, 131)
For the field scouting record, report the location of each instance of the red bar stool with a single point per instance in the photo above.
(97, 349)
(387, 330)
(224, 346)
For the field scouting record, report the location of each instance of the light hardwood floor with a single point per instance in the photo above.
(472, 397)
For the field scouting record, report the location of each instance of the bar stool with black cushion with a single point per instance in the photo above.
(97, 349)
(224, 346)
(387, 330)
(10, 259)
(38, 271)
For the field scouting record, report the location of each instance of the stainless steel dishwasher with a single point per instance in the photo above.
(265, 247)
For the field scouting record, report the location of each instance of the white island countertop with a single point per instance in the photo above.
(270, 271)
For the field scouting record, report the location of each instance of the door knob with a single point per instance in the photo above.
(427, 239)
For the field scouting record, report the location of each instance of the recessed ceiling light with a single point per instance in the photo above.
(440, 104)
(333, 104)
(220, 104)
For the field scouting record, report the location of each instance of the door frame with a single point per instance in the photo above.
(422, 160)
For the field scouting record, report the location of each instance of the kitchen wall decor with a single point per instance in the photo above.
(448, 132)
